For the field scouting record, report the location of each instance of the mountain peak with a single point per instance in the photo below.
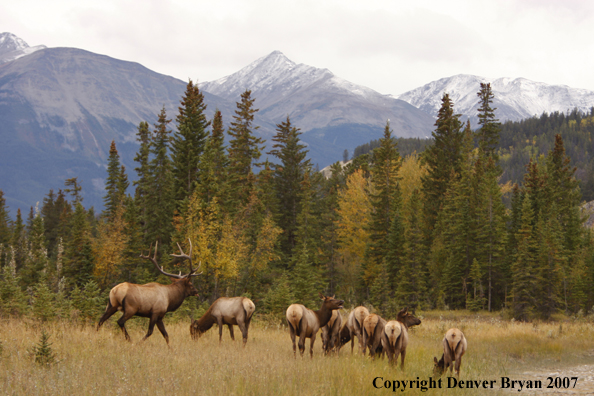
(9, 42)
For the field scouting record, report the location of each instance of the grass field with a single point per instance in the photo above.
(103, 363)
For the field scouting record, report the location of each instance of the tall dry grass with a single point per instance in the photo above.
(103, 363)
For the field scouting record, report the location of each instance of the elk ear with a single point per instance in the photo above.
(435, 360)
(321, 296)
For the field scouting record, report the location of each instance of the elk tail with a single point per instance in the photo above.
(393, 331)
(294, 315)
(249, 308)
(370, 325)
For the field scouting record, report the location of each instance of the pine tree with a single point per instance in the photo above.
(19, 241)
(36, 262)
(475, 299)
(288, 176)
(5, 223)
(75, 190)
(13, 301)
(188, 144)
(244, 149)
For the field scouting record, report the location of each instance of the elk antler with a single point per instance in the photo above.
(188, 257)
(154, 260)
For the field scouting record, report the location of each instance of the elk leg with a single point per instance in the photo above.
(292, 334)
(152, 323)
(402, 356)
(458, 364)
(244, 331)
(122, 324)
(161, 327)
(302, 340)
(311, 344)
(353, 343)
(220, 323)
(109, 310)
(231, 332)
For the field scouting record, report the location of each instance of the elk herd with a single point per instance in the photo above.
(373, 332)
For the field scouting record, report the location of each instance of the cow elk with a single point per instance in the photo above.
(226, 311)
(395, 337)
(454, 347)
(305, 323)
(330, 332)
(354, 325)
(152, 300)
(373, 330)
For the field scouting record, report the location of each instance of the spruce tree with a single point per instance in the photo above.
(78, 256)
(244, 150)
(19, 241)
(36, 265)
(143, 184)
(5, 223)
(159, 198)
(489, 127)
(117, 182)
(386, 199)
(443, 162)
(188, 144)
(288, 175)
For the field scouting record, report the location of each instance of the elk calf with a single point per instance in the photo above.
(226, 311)
(454, 347)
(305, 323)
(330, 333)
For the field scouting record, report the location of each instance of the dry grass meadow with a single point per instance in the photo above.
(103, 363)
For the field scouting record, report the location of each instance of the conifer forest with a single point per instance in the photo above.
(487, 219)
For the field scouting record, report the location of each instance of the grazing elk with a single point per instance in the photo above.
(373, 329)
(454, 346)
(152, 300)
(395, 337)
(226, 311)
(330, 333)
(354, 326)
(305, 323)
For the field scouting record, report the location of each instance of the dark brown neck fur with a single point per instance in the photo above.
(205, 322)
(324, 315)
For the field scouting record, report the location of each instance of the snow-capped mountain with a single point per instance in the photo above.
(515, 99)
(13, 47)
(315, 98)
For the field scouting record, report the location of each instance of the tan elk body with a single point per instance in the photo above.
(152, 300)
(454, 347)
(305, 323)
(373, 330)
(228, 311)
(395, 337)
(354, 326)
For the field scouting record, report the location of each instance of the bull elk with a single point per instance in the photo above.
(395, 336)
(330, 333)
(354, 327)
(152, 300)
(226, 311)
(454, 346)
(305, 323)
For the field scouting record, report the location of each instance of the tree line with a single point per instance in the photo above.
(424, 230)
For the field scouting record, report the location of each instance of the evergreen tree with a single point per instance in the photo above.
(74, 189)
(143, 184)
(188, 144)
(244, 149)
(213, 165)
(5, 223)
(117, 182)
(288, 176)
(13, 301)
(78, 255)
(159, 198)
(489, 127)
(19, 241)
(443, 162)
(386, 199)
(36, 263)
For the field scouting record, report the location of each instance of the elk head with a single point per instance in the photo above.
(438, 366)
(185, 281)
(407, 318)
(331, 303)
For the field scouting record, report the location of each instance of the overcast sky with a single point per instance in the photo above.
(391, 46)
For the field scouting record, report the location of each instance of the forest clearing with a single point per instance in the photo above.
(102, 362)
